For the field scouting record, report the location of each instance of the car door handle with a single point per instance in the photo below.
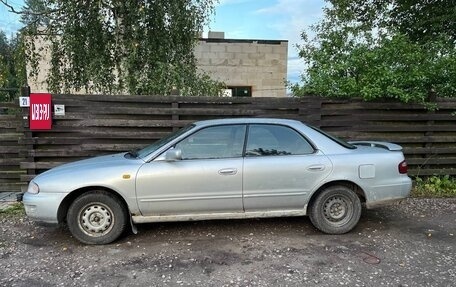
(318, 167)
(227, 171)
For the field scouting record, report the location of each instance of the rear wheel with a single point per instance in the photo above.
(336, 210)
(97, 218)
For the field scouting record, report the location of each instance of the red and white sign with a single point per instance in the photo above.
(40, 112)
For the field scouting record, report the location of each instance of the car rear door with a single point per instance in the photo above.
(280, 169)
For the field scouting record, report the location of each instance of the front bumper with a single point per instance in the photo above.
(43, 207)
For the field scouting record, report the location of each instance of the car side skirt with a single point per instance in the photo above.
(214, 216)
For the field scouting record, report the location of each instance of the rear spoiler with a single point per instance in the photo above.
(384, 145)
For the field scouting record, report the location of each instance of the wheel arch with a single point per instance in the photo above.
(66, 202)
(356, 188)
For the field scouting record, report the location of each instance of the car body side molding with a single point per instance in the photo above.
(216, 215)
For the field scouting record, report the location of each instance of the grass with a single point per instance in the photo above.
(13, 209)
(434, 186)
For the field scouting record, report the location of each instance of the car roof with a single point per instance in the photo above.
(247, 121)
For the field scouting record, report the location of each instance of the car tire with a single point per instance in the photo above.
(335, 210)
(97, 217)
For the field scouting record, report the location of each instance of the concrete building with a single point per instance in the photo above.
(256, 68)
(249, 68)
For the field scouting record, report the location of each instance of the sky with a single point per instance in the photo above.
(241, 19)
(270, 20)
(9, 22)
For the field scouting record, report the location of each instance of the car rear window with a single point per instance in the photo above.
(333, 138)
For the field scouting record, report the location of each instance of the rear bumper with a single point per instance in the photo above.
(43, 207)
(388, 194)
(375, 204)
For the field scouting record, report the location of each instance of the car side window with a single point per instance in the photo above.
(270, 140)
(214, 142)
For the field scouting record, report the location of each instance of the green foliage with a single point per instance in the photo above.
(14, 209)
(12, 67)
(117, 46)
(35, 14)
(435, 186)
(3, 71)
(368, 49)
(421, 21)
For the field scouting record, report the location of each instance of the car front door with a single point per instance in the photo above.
(207, 179)
(280, 169)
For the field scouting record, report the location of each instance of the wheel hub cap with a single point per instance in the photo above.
(96, 219)
(335, 209)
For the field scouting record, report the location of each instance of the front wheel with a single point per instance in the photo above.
(97, 217)
(336, 210)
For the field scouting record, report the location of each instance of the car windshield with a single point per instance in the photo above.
(337, 140)
(161, 142)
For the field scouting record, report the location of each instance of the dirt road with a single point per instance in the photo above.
(410, 244)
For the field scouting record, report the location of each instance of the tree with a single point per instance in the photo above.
(382, 49)
(421, 21)
(3, 71)
(116, 46)
(35, 14)
(12, 67)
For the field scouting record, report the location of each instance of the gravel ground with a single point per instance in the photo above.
(410, 244)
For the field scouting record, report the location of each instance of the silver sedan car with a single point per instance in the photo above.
(221, 169)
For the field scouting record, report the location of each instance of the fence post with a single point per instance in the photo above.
(27, 143)
(432, 97)
(25, 91)
(175, 116)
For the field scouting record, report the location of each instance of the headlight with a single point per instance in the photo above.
(33, 188)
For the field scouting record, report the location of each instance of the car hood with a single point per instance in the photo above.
(106, 171)
(93, 163)
(99, 160)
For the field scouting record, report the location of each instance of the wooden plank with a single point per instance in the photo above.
(407, 128)
(327, 105)
(41, 165)
(433, 161)
(52, 140)
(8, 181)
(10, 161)
(111, 147)
(126, 123)
(7, 118)
(27, 177)
(11, 175)
(88, 136)
(11, 124)
(431, 171)
(9, 105)
(9, 149)
(136, 111)
(153, 99)
(403, 138)
(10, 187)
(12, 137)
(379, 117)
(432, 150)
(62, 153)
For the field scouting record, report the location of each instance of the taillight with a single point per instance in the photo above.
(403, 167)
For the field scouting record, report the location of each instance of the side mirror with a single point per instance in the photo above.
(173, 154)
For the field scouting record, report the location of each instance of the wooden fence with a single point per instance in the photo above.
(95, 125)
(10, 151)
